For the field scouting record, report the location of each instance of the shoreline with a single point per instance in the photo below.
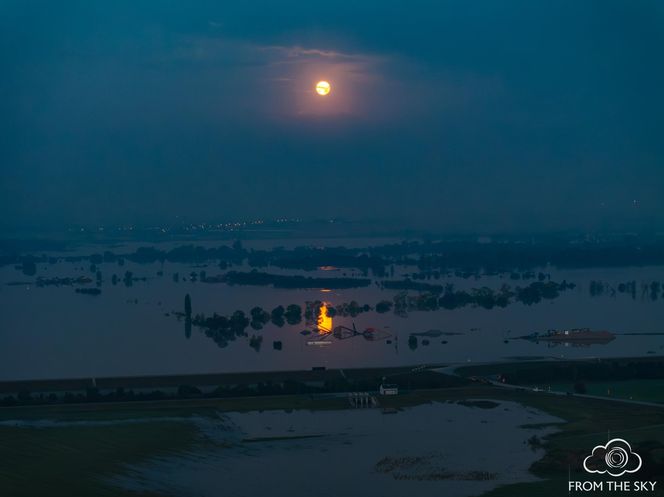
(586, 422)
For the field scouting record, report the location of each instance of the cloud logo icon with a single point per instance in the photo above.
(615, 458)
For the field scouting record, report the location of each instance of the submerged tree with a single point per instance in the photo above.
(277, 316)
(187, 306)
(383, 306)
(255, 342)
(238, 321)
(293, 314)
(29, 268)
(259, 318)
(187, 316)
(187, 328)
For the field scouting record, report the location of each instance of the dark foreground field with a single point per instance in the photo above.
(76, 459)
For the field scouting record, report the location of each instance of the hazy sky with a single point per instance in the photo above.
(474, 115)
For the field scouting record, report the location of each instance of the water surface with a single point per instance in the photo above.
(53, 332)
(430, 450)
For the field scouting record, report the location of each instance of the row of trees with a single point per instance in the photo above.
(329, 384)
(651, 290)
(225, 329)
(466, 257)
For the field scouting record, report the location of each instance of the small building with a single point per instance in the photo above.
(388, 389)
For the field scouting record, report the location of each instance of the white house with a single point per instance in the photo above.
(386, 389)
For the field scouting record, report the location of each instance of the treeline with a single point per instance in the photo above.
(225, 329)
(88, 291)
(127, 279)
(501, 257)
(65, 281)
(651, 290)
(185, 254)
(446, 297)
(309, 259)
(477, 273)
(285, 281)
(513, 257)
(91, 395)
(470, 257)
(406, 381)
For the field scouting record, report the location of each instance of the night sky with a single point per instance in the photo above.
(456, 115)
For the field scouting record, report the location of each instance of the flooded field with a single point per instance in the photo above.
(54, 332)
(430, 450)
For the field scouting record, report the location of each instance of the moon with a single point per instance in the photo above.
(323, 88)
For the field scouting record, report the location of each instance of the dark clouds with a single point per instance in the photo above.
(465, 115)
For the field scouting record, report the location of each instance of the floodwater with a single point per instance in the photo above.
(53, 332)
(430, 450)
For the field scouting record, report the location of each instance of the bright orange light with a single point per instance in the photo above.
(324, 321)
(323, 88)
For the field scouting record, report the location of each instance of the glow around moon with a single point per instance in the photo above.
(323, 88)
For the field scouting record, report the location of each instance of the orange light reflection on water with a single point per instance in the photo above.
(324, 321)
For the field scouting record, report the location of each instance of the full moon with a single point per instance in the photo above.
(323, 88)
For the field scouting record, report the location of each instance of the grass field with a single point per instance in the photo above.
(640, 390)
(74, 461)
(589, 422)
(532, 365)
